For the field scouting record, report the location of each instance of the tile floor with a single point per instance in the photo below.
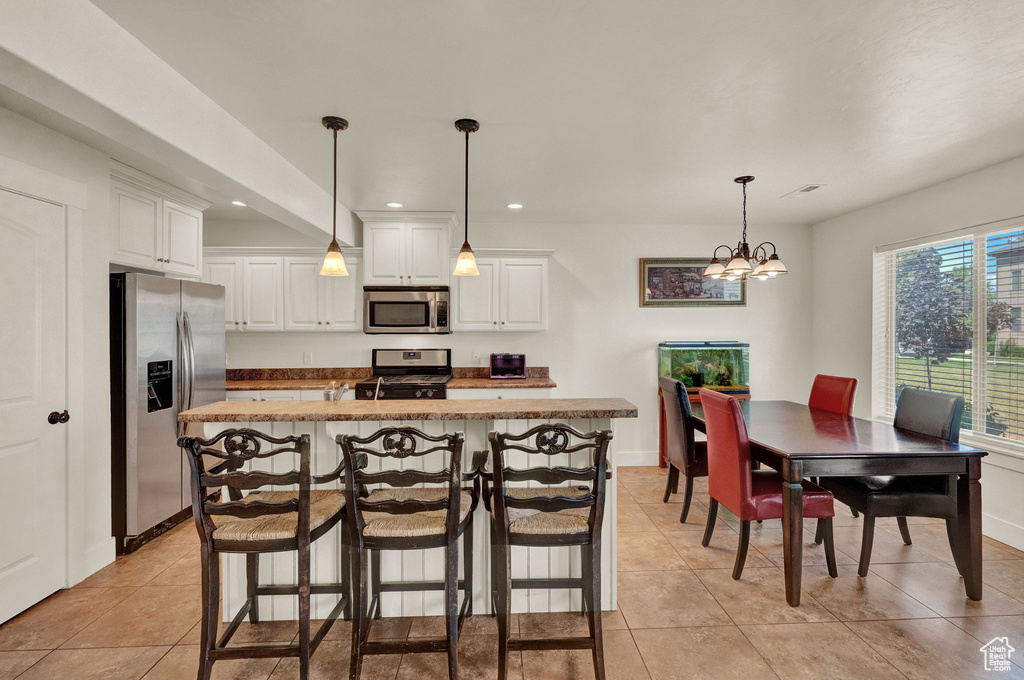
(680, 613)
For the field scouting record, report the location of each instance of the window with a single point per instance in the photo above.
(948, 318)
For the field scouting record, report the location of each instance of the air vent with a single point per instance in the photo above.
(802, 191)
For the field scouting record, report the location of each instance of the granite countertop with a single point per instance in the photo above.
(473, 377)
(416, 409)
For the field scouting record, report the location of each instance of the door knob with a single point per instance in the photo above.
(55, 417)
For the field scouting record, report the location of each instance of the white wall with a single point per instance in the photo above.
(842, 298)
(90, 540)
(600, 343)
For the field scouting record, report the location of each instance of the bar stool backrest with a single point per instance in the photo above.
(550, 440)
(401, 443)
(241, 446)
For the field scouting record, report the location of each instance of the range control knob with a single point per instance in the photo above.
(369, 394)
(430, 393)
(419, 393)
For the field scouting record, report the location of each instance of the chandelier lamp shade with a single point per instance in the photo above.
(744, 261)
(334, 260)
(466, 264)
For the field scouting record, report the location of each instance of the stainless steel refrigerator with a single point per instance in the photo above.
(166, 355)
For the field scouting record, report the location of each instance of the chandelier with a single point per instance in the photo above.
(743, 261)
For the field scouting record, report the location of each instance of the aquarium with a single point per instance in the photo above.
(723, 366)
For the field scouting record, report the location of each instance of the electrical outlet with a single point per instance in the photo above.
(476, 357)
(307, 358)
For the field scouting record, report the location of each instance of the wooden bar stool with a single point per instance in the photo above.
(259, 522)
(548, 517)
(403, 518)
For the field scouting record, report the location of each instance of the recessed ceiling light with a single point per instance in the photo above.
(394, 205)
(514, 206)
(238, 203)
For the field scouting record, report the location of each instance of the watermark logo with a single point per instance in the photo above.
(997, 653)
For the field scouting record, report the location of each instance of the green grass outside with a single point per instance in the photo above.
(1005, 379)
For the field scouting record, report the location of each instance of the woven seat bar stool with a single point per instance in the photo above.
(260, 521)
(405, 518)
(548, 517)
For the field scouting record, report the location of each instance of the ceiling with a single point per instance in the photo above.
(622, 112)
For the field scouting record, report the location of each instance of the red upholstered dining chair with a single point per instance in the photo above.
(750, 494)
(833, 393)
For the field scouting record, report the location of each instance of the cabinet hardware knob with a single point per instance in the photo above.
(245, 323)
(319, 323)
(328, 323)
(495, 323)
(55, 417)
(502, 323)
(236, 323)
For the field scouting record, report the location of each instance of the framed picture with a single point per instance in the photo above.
(681, 283)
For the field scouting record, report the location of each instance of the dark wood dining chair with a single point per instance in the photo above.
(751, 494)
(931, 413)
(686, 455)
(403, 518)
(548, 517)
(255, 521)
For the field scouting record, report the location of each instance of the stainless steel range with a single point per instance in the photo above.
(408, 374)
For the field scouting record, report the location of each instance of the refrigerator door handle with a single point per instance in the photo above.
(183, 378)
(191, 361)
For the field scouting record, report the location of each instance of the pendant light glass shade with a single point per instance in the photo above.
(774, 267)
(466, 264)
(737, 265)
(334, 261)
(714, 270)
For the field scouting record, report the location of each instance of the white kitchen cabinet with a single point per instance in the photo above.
(321, 303)
(511, 294)
(524, 294)
(183, 239)
(154, 225)
(263, 294)
(475, 300)
(227, 272)
(406, 249)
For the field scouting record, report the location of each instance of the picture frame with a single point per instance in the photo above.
(680, 282)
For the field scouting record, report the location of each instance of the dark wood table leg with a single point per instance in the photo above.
(792, 528)
(968, 496)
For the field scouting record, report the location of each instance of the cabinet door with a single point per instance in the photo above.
(342, 299)
(182, 239)
(263, 294)
(426, 261)
(135, 226)
(227, 272)
(524, 294)
(302, 299)
(475, 299)
(384, 254)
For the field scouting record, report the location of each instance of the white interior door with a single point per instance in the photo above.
(33, 382)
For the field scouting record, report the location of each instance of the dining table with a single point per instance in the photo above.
(799, 441)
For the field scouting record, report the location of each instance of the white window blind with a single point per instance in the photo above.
(948, 318)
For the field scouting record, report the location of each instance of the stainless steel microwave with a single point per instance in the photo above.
(405, 309)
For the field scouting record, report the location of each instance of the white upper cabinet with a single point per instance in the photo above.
(406, 249)
(342, 296)
(475, 299)
(510, 294)
(227, 272)
(384, 251)
(524, 294)
(321, 303)
(263, 294)
(426, 259)
(154, 225)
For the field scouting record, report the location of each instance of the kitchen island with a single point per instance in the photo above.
(325, 420)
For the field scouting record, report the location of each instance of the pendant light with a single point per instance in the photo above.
(743, 261)
(466, 264)
(334, 261)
